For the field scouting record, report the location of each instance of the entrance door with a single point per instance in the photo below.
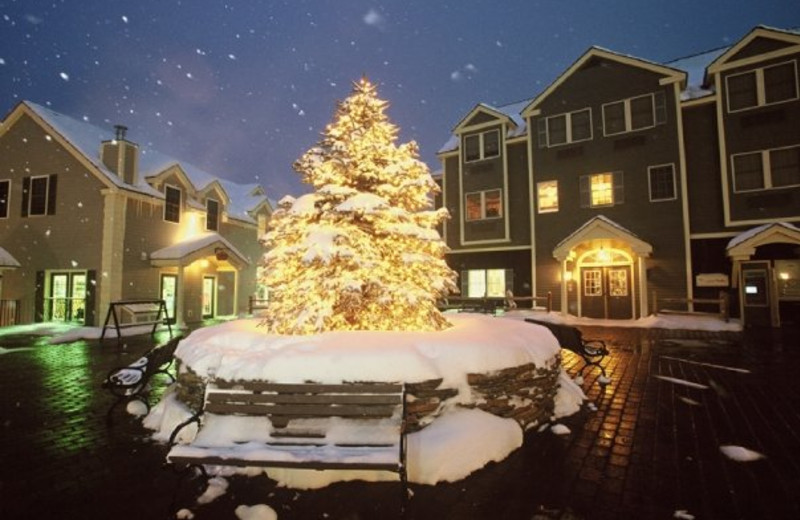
(67, 296)
(606, 292)
(756, 293)
(169, 288)
(209, 291)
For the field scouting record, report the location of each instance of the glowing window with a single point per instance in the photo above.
(485, 283)
(482, 205)
(547, 196)
(602, 189)
(592, 282)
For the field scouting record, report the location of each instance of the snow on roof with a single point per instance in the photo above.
(87, 139)
(6, 260)
(750, 233)
(191, 245)
(592, 221)
(512, 110)
(695, 67)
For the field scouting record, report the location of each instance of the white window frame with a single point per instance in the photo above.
(539, 208)
(46, 195)
(485, 272)
(766, 169)
(650, 182)
(591, 192)
(180, 204)
(568, 121)
(481, 149)
(8, 199)
(761, 88)
(628, 114)
(483, 205)
(219, 214)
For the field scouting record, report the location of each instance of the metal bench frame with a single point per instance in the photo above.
(592, 351)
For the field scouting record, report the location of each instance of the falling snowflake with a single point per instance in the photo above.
(74, 263)
(64, 76)
(231, 56)
(124, 18)
(2, 61)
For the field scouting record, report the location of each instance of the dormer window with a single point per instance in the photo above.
(172, 204)
(482, 146)
(212, 215)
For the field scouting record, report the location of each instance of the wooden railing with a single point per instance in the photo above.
(547, 300)
(9, 312)
(491, 305)
(254, 304)
(722, 303)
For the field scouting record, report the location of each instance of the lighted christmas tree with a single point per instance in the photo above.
(362, 251)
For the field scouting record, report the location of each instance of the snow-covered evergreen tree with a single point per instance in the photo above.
(361, 252)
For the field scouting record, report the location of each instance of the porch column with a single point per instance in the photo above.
(643, 290)
(564, 292)
(236, 292)
(179, 310)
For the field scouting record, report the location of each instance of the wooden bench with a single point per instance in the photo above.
(300, 416)
(591, 351)
(128, 383)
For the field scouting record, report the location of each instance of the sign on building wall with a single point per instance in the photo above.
(712, 280)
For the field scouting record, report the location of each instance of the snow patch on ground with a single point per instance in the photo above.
(256, 512)
(80, 333)
(682, 382)
(136, 408)
(683, 514)
(217, 486)
(661, 321)
(740, 453)
(560, 429)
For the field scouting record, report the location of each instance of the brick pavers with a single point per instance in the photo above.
(648, 448)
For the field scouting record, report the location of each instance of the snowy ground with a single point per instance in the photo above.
(457, 443)
(661, 321)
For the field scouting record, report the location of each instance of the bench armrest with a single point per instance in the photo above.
(174, 435)
(595, 347)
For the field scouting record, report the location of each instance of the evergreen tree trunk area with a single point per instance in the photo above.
(361, 252)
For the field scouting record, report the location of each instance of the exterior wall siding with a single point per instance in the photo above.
(706, 213)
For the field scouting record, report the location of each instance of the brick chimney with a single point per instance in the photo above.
(121, 156)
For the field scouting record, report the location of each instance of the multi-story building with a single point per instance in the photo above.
(88, 217)
(625, 178)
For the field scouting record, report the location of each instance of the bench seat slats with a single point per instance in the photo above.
(301, 388)
(329, 399)
(299, 410)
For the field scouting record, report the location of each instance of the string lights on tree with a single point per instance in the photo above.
(361, 252)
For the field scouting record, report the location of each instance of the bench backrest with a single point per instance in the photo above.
(282, 402)
(568, 337)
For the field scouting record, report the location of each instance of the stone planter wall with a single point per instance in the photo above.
(524, 393)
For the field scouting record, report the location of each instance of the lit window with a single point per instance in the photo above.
(762, 86)
(602, 189)
(592, 282)
(212, 215)
(636, 113)
(547, 196)
(482, 205)
(486, 283)
(482, 146)
(662, 182)
(766, 169)
(172, 204)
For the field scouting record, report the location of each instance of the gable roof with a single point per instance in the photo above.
(745, 243)
(725, 60)
(601, 227)
(86, 140)
(511, 113)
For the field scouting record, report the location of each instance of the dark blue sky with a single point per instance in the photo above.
(243, 88)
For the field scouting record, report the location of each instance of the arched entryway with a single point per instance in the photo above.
(605, 283)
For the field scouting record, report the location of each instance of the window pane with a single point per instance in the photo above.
(547, 195)
(614, 118)
(473, 206)
(212, 215)
(491, 144)
(642, 112)
(748, 173)
(602, 189)
(496, 283)
(618, 282)
(476, 283)
(557, 130)
(780, 83)
(172, 206)
(662, 183)
(581, 125)
(785, 166)
(494, 204)
(742, 91)
(472, 150)
(38, 200)
(592, 285)
(4, 198)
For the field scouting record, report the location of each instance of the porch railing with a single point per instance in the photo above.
(255, 304)
(722, 303)
(9, 312)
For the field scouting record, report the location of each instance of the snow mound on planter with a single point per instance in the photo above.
(457, 443)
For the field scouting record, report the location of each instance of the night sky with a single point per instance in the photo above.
(243, 88)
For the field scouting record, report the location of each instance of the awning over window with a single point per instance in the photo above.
(196, 248)
(7, 261)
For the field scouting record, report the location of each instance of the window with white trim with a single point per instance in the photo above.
(486, 283)
(484, 145)
(482, 205)
(636, 113)
(547, 196)
(661, 181)
(763, 86)
(172, 204)
(766, 169)
(571, 127)
(602, 189)
(212, 215)
(5, 193)
(39, 195)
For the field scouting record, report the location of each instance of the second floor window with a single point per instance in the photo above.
(661, 180)
(212, 215)
(547, 196)
(172, 204)
(764, 86)
(481, 205)
(565, 128)
(601, 189)
(636, 113)
(5, 191)
(482, 146)
(766, 169)
(39, 195)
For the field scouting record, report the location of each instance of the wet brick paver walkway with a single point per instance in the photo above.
(645, 448)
